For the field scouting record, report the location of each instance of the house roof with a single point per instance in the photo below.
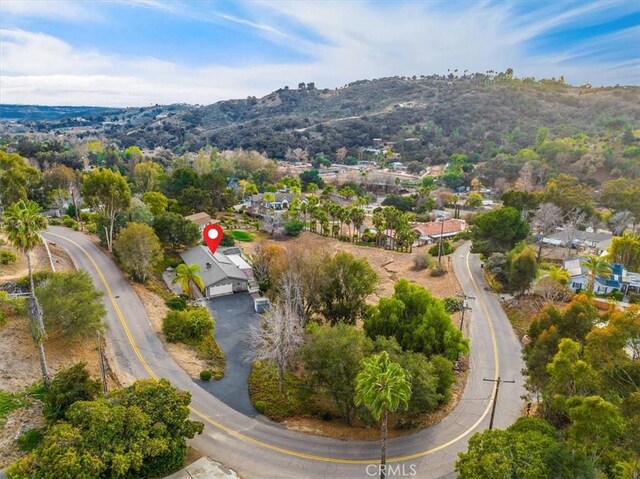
(279, 197)
(574, 266)
(434, 228)
(221, 267)
(581, 236)
(200, 219)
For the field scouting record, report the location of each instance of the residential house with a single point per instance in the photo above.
(201, 220)
(224, 272)
(282, 200)
(598, 241)
(398, 166)
(619, 280)
(431, 231)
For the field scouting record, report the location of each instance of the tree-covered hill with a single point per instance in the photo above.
(429, 118)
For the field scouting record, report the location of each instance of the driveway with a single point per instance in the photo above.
(233, 314)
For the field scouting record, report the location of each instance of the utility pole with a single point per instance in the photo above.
(103, 370)
(464, 297)
(495, 396)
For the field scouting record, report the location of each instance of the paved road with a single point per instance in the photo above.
(233, 314)
(263, 450)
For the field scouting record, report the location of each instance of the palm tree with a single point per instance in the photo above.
(185, 275)
(382, 387)
(596, 266)
(357, 218)
(23, 221)
(559, 274)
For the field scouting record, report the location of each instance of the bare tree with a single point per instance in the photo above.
(620, 222)
(573, 220)
(550, 289)
(309, 270)
(277, 338)
(545, 221)
(297, 155)
(271, 221)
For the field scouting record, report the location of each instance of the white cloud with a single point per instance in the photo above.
(358, 41)
(62, 10)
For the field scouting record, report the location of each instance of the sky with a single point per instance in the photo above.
(146, 52)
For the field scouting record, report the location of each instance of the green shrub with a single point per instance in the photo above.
(7, 256)
(29, 439)
(227, 240)
(177, 303)
(69, 386)
(422, 261)
(39, 277)
(261, 407)
(446, 376)
(263, 387)
(189, 326)
(634, 298)
(447, 248)
(69, 222)
(293, 227)
(206, 375)
(209, 350)
(452, 304)
(617, 295)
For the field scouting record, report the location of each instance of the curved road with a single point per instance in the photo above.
(260, 449)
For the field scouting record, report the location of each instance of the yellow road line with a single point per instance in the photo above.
(272, 447)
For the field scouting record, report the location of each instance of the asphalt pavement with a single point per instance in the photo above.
(233, 314)
(258, 449)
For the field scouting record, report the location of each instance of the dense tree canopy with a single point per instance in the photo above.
(418, 321)
(16, 176)
(137, 431)
(351, 280)
(498, 231)
(71, 304)
(108, 193)
(174, 231)
(138, 250)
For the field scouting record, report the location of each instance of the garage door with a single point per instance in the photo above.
(220, 290)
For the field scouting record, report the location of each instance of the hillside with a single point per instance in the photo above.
(39, 112)
(429, 118)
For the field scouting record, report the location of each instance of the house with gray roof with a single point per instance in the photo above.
(282, 200)
(224, 272)
(598, 241)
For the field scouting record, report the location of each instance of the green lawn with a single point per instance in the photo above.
(242, 236)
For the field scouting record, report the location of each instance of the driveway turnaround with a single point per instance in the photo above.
(256, 449)
(234, 314)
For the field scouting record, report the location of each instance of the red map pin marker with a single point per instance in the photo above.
(212, 235)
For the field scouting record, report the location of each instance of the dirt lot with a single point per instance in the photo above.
(20, 366)
(390, 265)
